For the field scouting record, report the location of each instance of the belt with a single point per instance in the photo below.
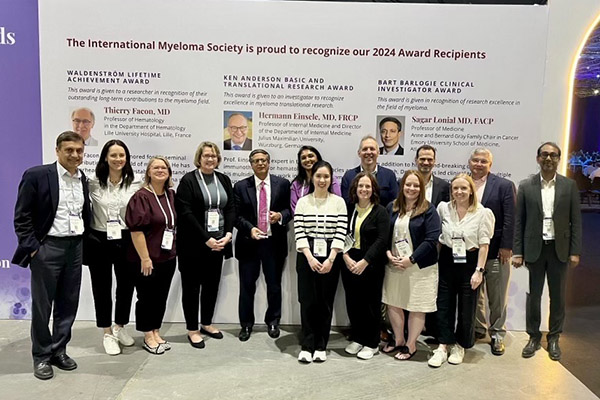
(551, 241)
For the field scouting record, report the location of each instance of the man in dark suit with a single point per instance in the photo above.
(386, 178)
(436, 189)
(547, 238)
(262, 203)
(390, 129)
(497, 194)
(237, 125)
(51, 214)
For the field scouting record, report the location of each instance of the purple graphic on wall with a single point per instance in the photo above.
(20, 133)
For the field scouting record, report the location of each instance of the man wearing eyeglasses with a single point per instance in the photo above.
(547, 239)
(237, 126)
(497, 194)
(83, 121)
(262, 205)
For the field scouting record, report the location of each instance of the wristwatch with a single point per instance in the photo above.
(411, 259)
(480, 269)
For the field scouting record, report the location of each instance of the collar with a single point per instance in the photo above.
(62, 171)
(257, 180)
(393, 151)
(553, 180)
(241, 144)
(374, 171)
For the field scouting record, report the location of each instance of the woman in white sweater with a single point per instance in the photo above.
(320, 225)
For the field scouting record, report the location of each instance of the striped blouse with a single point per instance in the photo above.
(320, 218)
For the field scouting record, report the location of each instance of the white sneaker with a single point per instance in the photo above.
(456, 354)
(305, 357)
(320, 356)
(111, 345)
(438, 358)
(124, 338)
(353, 348)
(367, 353)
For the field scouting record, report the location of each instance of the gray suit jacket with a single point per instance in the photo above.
(529, 218)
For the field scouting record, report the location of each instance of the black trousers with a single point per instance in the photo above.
(152, 294)
(547, 265)
(316, 294)
(272, 267)
(102, 255)
(203, 270)
(55, 284)
(456, 301)
(363, 300)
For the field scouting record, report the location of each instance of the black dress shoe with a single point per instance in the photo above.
(530, 348)
(554, 350)
(43, 370)
(214, 335)
(196, 345)
(497, 346)
(274, 331)
(479, 335)
(64, 362)
(245, 333)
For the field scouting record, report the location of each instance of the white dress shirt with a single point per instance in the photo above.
(110, 203)
(70, 201)
(476, 227)
(428, 189)
(548, 190)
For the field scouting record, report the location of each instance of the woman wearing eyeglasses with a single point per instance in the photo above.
(206, 212)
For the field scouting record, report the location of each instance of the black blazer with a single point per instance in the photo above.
(440, 191)
(247, 144)
(37, 202)
(244, 193)
(373, 234)
(425, 230)
(499, 196)
(191, 222)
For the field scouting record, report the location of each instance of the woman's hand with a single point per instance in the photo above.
(476, 280)
(359, 267)
(326, 266)
(314, 264)
(147, 267)
(403, 263)
(350, 263)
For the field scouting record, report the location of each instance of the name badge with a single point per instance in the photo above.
(167, 240)
(459, 250)
(349, 242)
(402, 248)
(113, 230)
(320, 248)
(547, 231)
(212, 220)
(75, 224)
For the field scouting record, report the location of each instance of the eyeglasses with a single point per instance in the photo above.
(553, 156)
(260, 161)
(209, 156)
(85, 122)
(238, 128)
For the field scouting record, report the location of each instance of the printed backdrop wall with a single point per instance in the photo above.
(321, 74)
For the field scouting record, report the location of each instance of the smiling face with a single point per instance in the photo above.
(307, 159)
(238, 128)
(548, 159)
(260, 165)
(368, 153)
(425, 161)
(461, 190)
(322, 179)
(390, 135)
(70, 155)
(411, 188)
(364, 190)
(116, 158)
(158, 172)
(208, 160)
(480, 165)
(83, 122)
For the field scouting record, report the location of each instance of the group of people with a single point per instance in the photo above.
(422, 247)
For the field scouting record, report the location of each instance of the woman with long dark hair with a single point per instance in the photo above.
(107, 243)
(307, 157)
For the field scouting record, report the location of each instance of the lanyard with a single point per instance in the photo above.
(71, 205)
(161, 207)
(208, 191)
(302, 191)
(114, 192)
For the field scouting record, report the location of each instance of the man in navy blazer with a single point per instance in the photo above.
(51, 215)
(386, 178)
(256, 244)
(497, 194)
(547, 239)
(436, 189)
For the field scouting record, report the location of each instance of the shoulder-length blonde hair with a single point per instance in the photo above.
(400, 203)
(200, 149)
(472, 197)
(148, 180)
